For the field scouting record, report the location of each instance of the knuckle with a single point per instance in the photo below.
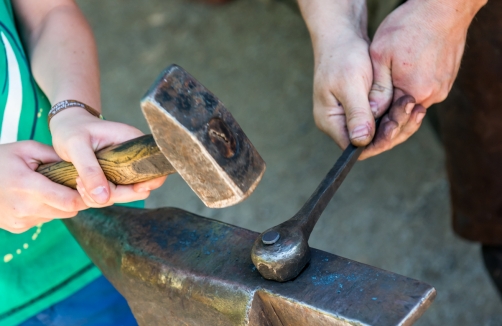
(356, 114)
(71, 204)
(92, 171)
(423, 93)
(319, 121)
(29, 147)
(376, 52)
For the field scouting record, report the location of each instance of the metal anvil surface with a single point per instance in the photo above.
(177, 268)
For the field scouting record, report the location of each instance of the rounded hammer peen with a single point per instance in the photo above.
(192, 134)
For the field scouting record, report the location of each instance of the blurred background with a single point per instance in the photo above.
(391, 212)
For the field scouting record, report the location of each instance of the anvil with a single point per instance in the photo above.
(177, 268)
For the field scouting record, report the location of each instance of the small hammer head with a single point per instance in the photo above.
(283, 258)
(201, 139)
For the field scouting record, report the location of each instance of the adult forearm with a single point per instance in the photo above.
(460, 9)
(61, 49)
(329, 20)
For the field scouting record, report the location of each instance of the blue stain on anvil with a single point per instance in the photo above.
(186, 239)
(374, 299)
(211, 236)
(206, 250)
(351, 277)
(325, 259)
(325, 279)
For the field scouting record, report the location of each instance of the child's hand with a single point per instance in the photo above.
(27, 198)
(76, 136)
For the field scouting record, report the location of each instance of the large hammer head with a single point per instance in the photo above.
(177, 268)
(201, 139)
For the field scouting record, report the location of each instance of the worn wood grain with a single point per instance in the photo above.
(133, 161)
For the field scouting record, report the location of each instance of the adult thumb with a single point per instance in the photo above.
(360, 120)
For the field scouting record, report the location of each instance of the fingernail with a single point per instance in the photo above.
(100, 194)
(79, 189)
(420, 117)
(374, 107)
(409, 107)
(359, 132)
(143, 189)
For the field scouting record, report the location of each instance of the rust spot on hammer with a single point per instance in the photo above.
(221, 135)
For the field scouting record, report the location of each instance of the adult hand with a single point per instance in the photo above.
(416, 51)
(343, 73)
(76, 136)
(27, 198)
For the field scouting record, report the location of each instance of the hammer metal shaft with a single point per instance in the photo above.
(281, 252)
(309, 214)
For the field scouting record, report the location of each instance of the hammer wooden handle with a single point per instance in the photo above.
(136, 160)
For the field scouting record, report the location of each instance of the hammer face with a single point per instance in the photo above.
(201, 139)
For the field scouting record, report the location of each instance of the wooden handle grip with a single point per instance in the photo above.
(136, 160)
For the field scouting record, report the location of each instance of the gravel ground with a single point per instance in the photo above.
(392, 211)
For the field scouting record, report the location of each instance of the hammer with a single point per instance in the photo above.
(193, 134)
(177, 268)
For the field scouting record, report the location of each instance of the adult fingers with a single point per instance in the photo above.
(80, 152)
(149, 185)
(391, 127)
(330, 118)
(360, 120)
(416, 117)
(381, 91)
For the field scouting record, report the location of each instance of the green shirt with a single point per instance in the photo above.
(45, 264)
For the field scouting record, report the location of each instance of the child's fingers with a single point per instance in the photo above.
(82, 155)
(35, 153)
(60, 197)
(149, 185)
(126, 194)
(48, 212)
(118, 194)
(16, 225)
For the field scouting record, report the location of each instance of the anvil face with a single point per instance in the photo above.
(177, 268)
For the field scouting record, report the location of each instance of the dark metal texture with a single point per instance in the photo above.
(177, 268)
(285, 258)
(191, 125)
